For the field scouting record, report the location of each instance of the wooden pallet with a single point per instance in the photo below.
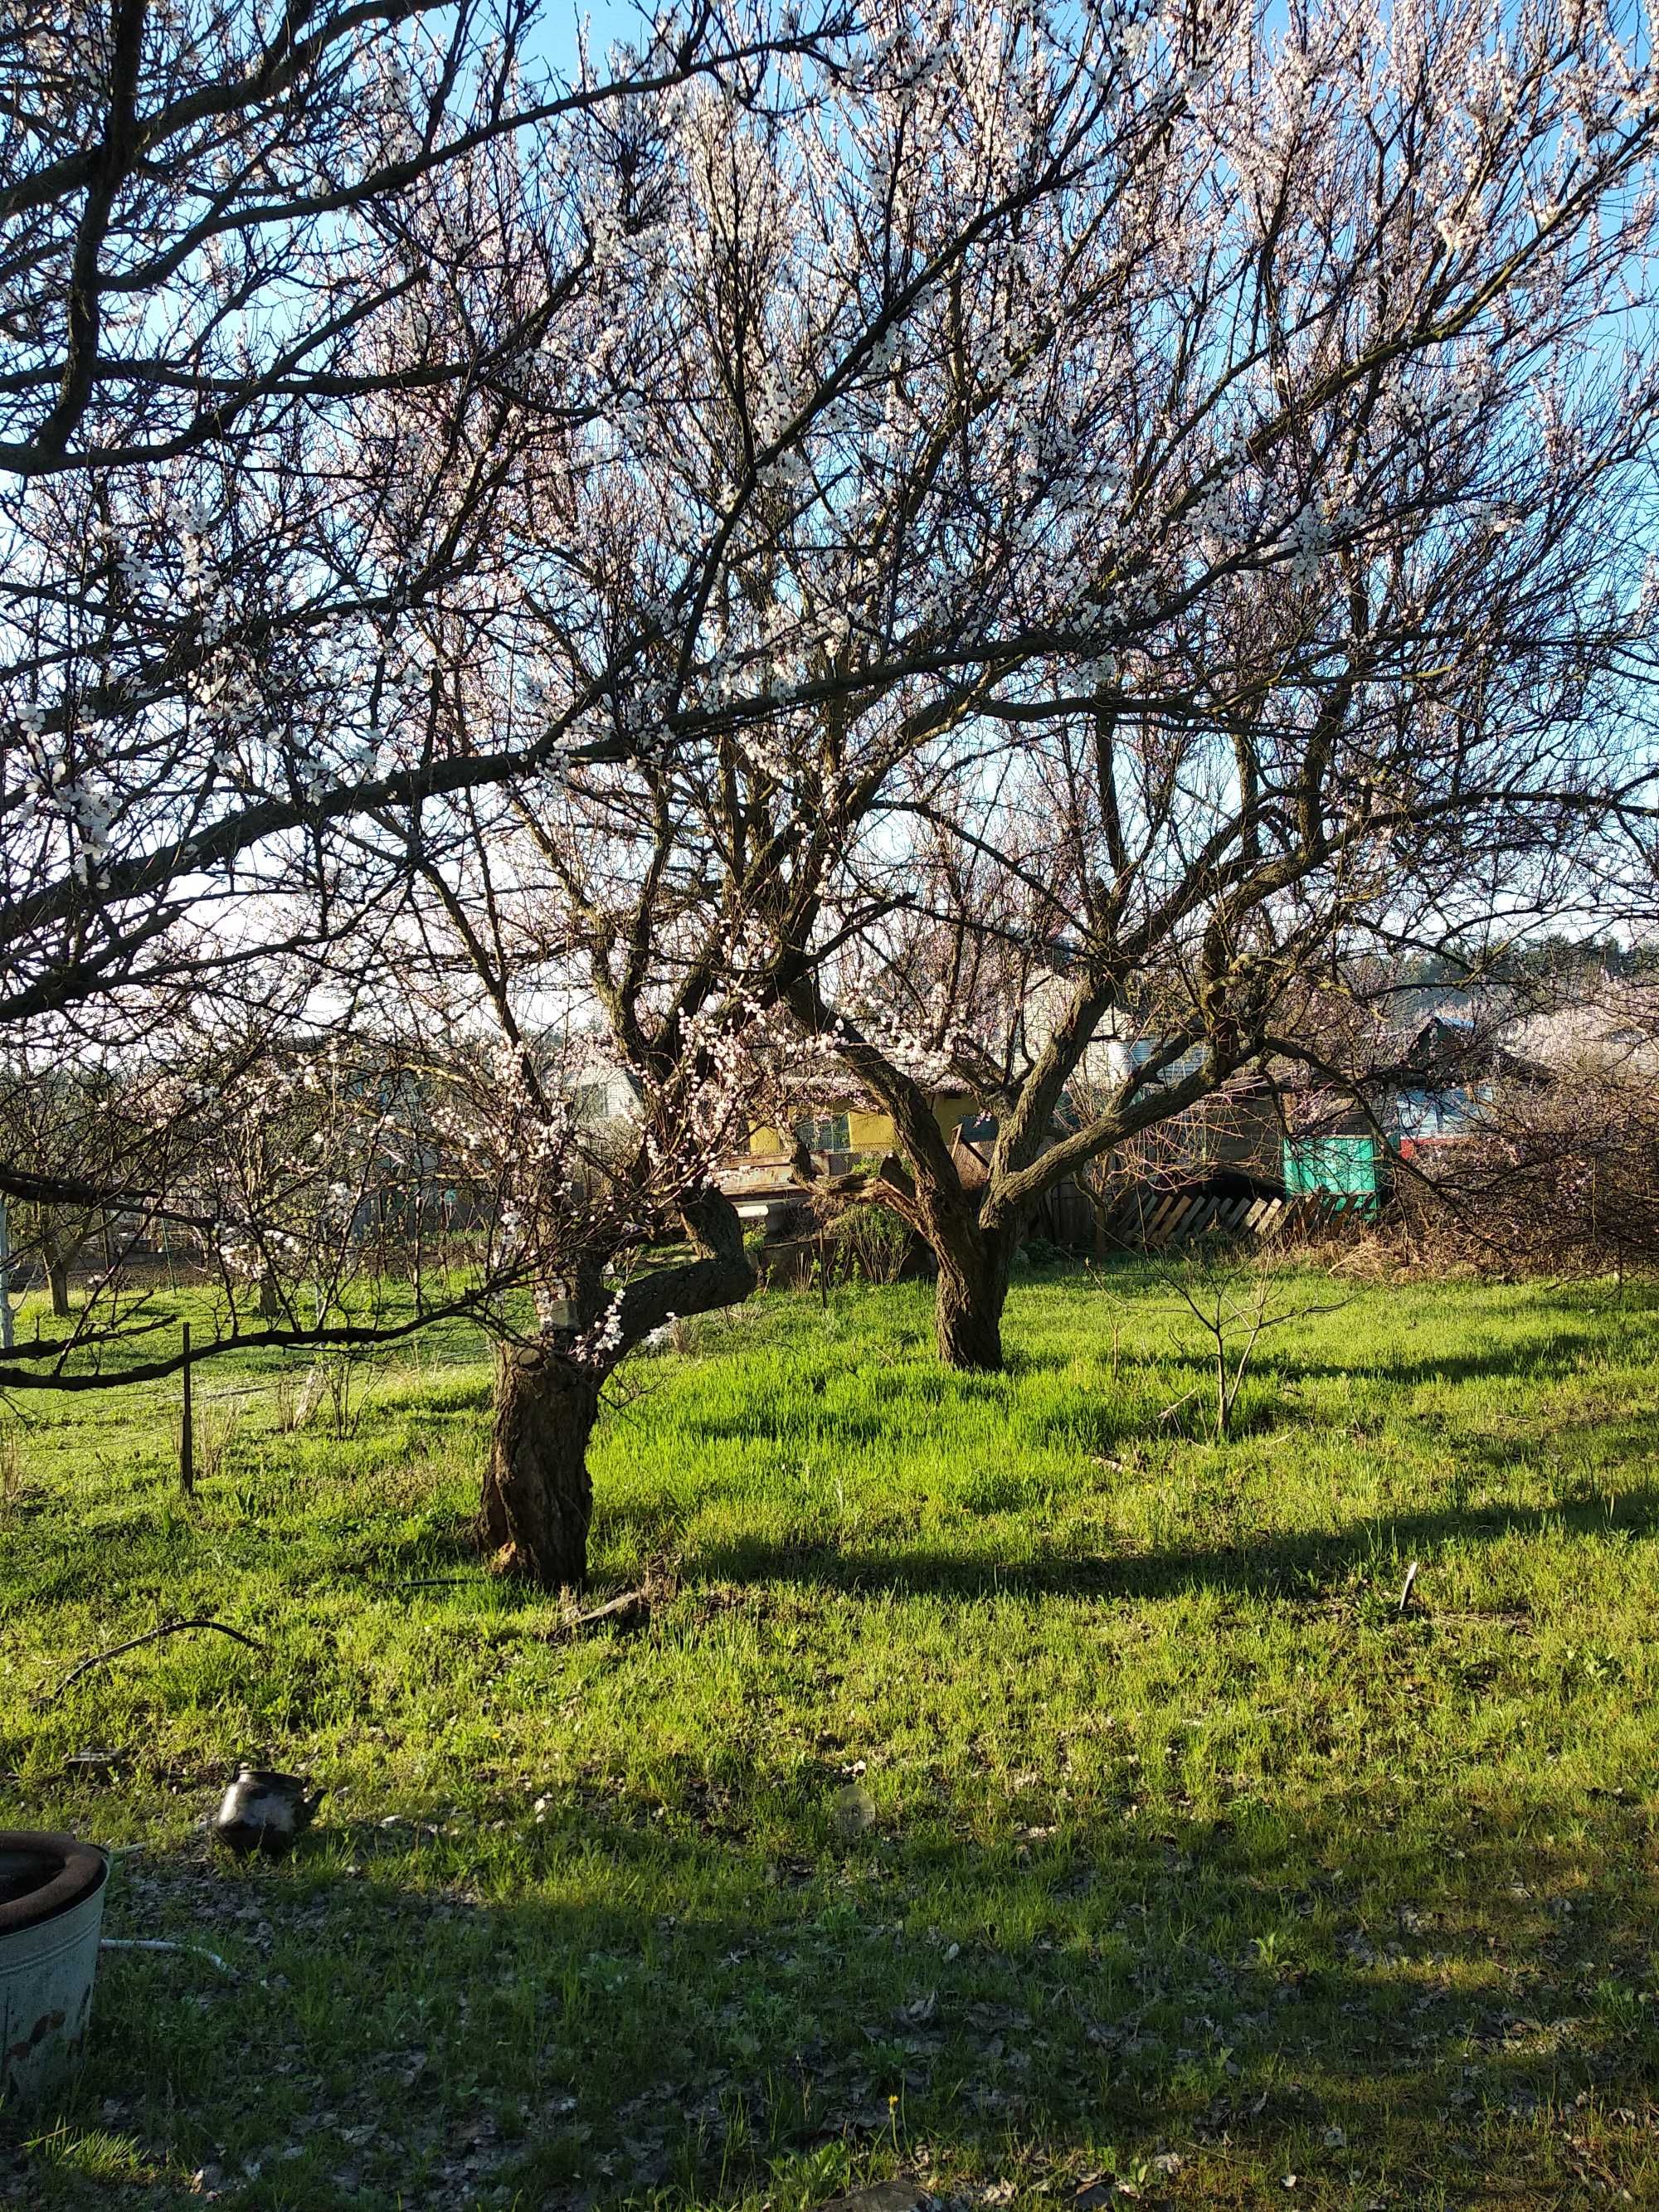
(1153, 1221)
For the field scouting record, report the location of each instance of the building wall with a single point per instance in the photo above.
(1347, 1165)
(865, 1132)
(1444, 1113)
(1244, 1137)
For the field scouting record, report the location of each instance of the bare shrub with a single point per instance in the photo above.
(1234, 1296)
(348, 1378)
(11, 1467)
(1562, 1178)
(298, 1399)
(870, 1242)
(213, 1428)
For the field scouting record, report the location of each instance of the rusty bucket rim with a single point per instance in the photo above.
(82, 1871)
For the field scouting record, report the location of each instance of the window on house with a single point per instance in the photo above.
(827, 1133)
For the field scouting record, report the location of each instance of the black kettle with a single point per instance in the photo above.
(263, 1811)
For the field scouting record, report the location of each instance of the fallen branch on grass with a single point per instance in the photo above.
(1185, 1399)
(151, 1635)
(155, 1943)
(630, 1610)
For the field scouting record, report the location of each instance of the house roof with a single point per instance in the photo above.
(1611, 1032)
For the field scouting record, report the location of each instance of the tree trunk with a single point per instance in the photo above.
(538, 1493)
(270, 1298)
(57, 1283)
(973, 1289)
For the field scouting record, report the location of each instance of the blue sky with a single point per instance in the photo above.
(559, 27)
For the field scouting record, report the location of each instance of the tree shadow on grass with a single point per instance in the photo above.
(1548, 1346)
(1517, 1363)
(1100, 1428)
(1297, 1564)
(1276, 1367)
(617, 2003)
(1300, 1563)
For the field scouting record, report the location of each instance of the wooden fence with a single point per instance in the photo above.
(1147, 1222)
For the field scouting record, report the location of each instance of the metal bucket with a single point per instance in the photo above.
(51, 1907)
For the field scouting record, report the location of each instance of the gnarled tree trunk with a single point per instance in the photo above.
(930, 1194)
(58, 1283)
(538, 1493)
(973, 1289)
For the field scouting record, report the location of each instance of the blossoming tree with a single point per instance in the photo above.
(275, 287)
(271, 286)
(702, 566)
(1283, 583)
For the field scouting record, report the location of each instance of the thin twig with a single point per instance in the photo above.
(1406, 1588)
(151, 1636)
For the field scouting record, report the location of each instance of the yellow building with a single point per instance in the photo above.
(843, 1130)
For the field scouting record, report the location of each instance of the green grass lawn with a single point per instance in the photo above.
(1185, 1862)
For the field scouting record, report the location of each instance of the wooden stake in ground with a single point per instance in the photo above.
(186, 1433)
